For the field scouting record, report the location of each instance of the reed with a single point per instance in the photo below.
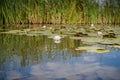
(59, 11)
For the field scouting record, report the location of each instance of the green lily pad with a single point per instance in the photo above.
(111, 41)
(105, 41)
(101, 49)
(47, 32)
(93, 49)
(87, 39)
(36, 32)
(13, 31)
(21, 33)
(69, 33)
(32, 34)
(52, 36)
(115, 46)
(75, 38)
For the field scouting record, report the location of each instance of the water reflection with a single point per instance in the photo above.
(34, 48)
(30, 58)
(76, 71)
(57, 41)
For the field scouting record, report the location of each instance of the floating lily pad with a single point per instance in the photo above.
(36, 32)
(32, 34)
(69, 33)
(115, 46)
(87, 39)
(93, 49)
(52, 36)
(13, 31)
(106, 41)
(80, 34)
(26, 30)
(75, 38)
(22, 33)
(47, 32)
(101, 49)
(110, 41)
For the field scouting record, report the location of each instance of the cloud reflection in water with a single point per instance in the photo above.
(77, 71)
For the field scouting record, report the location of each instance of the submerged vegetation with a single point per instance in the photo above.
(59, 11)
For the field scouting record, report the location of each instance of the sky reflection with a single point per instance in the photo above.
(51, 61)
(88, 66)
(56, 70)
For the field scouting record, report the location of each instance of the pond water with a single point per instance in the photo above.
(40, 58)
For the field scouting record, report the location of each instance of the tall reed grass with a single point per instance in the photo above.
(59, 11)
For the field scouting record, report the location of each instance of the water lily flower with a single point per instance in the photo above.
(92, 25)
(44, 26)
(100, 34)
(57, 37)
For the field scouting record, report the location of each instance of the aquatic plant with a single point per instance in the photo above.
(60, 11)
(93, 49)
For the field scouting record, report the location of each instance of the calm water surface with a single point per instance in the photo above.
(39, 58)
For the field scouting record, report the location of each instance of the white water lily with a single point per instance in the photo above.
(57, 37)
(100, 34)
(92, 25)
(44, 26)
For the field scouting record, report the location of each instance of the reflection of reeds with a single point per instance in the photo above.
(60, 11)
(34, 49)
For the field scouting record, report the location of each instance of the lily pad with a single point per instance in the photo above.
(32, 34)
(93, 49)
(75, 38)
(80, 34)
(52, 36)
(69, 33)
(115, 46)
(100, 49)
(105, 41)
(47, 32)
(87, 39)
(110, 41)
(36, 32)
(13, 31)
(22, 33)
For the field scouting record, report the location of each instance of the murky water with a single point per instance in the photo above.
(39, 58)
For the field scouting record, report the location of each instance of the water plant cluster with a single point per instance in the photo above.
(59, 11)
(85, 34)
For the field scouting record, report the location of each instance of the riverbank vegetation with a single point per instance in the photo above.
(59, 12)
